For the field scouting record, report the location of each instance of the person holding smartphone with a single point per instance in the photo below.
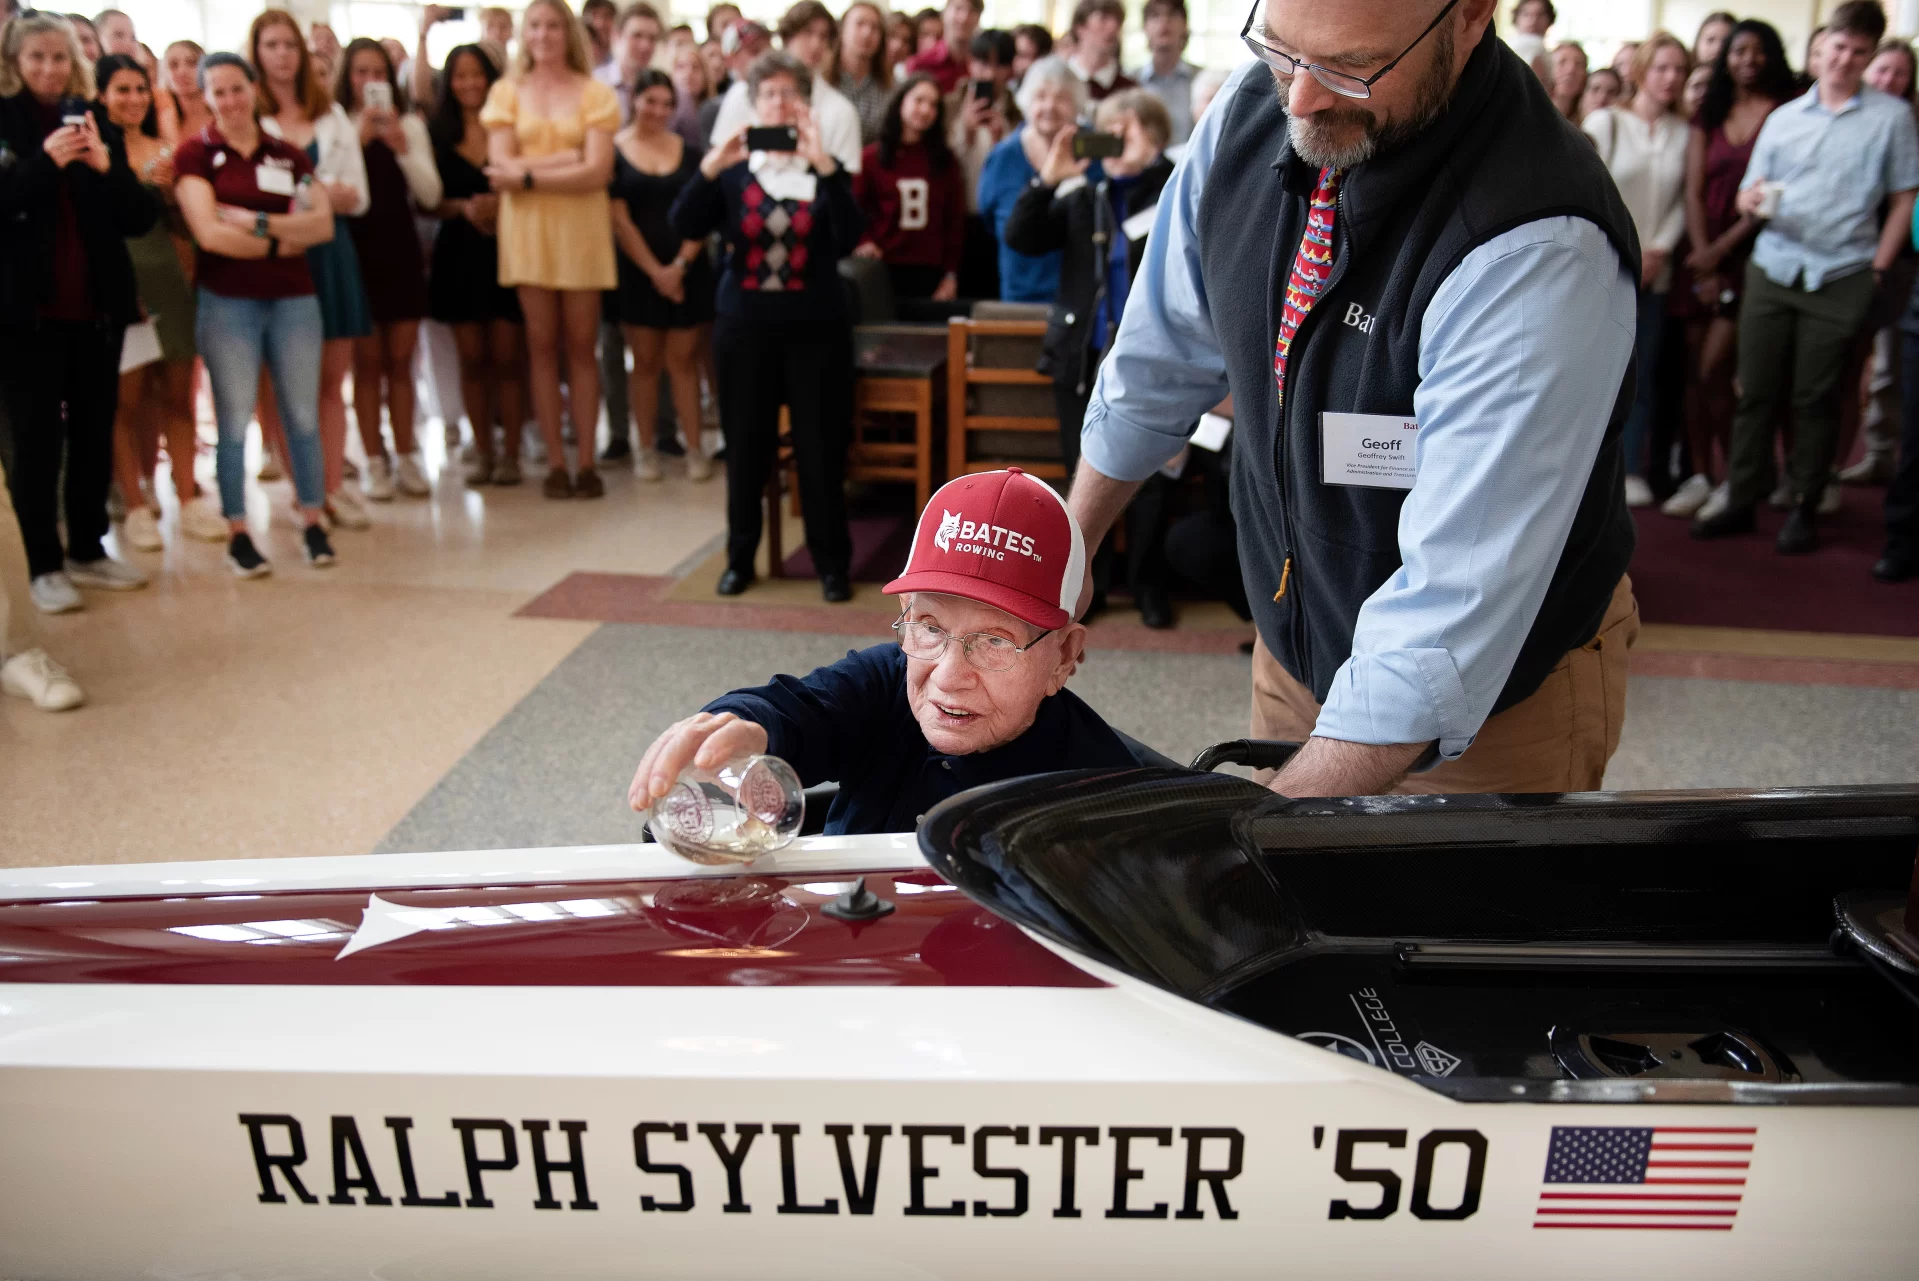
(785, 208)
(1097, 221)
(67, 294)
(401, 176)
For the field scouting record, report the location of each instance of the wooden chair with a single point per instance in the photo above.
(1000, 410)
(898, 376)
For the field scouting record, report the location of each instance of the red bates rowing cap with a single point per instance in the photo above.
(1002, 538)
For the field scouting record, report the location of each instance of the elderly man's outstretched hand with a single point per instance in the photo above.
(704, 739)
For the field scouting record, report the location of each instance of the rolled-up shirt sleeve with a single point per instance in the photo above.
(1165, 368)
(1521, 355)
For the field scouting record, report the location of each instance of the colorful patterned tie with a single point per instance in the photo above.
(1311, 267)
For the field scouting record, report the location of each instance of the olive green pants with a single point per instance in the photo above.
(1793, 345)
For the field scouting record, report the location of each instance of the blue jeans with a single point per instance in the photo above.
(1645, 365)
(234, 336)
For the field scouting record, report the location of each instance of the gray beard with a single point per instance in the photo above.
(1316, 142)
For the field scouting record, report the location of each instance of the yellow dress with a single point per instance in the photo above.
(554, 239)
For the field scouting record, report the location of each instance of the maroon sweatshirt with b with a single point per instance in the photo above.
(915, 213)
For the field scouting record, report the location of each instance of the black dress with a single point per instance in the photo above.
(648, 199)
(464, 286)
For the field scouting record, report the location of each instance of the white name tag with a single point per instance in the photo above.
(1370, 450)
(273, 180)
(1140, 223)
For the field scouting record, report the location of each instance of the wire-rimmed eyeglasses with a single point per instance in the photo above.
(983, 650)
(1347, 86)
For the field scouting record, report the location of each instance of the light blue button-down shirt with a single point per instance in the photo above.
(1838, 168)
(1520, 356)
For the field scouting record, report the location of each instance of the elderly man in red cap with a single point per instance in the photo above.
(973, 691)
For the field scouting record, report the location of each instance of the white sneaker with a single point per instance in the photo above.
(477, 470)
(379, 479)
(698, 466)
(55, 594)
(347, 509)
(269, 468)
(1716, 502)
(1638, 492)
(1831, 499)
(1689, 497)
(142, 530)
(412, 479)
(1780, 499)
(106, 574)
(202, 519)
(535, 449)
(646, 464)
(41, 681)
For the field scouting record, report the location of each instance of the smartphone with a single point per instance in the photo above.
(774, 138)
(378, 96)
(456, 15)
(983, 90)
(73, 111)
(1090, 144)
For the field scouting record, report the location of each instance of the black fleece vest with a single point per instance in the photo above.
(1499, 156)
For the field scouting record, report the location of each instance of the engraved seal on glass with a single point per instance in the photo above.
(685, 813)
(746, 808)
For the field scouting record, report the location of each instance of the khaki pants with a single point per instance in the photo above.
(1557, 740)
(16, 606)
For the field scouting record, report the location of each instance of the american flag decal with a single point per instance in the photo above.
(1647, 1178)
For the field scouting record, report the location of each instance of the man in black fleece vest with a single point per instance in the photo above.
(1417, 283)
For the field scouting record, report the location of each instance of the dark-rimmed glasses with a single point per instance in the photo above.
(983, 650)
(1347, 86)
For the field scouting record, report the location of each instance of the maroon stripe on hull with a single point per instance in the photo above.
(753, 931)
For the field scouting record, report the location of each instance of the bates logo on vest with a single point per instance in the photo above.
(1358, 319)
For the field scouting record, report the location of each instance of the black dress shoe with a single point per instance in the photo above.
(1734, 520)
(1798, 536)
(1155, 608)
(1894, 568)
(617, 450)
(733, 582)
(835, 588)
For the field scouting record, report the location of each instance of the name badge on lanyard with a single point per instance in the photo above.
(1370, 451)
(273, 180)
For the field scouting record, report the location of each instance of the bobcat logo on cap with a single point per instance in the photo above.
(949, 530)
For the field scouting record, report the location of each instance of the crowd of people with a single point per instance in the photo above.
(574, 212)
(612, 212)
(1774, 211)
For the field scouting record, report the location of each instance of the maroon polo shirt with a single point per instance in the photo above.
(236, 181)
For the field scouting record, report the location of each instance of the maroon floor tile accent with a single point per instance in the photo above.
(1778, 671)
(638, 598)
(1743, 582)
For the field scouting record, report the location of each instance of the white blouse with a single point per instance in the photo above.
(417, 165)
(340, 158)
(1648, 162)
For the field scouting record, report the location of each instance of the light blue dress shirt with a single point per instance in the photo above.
(1520, 357)
(1838, 168)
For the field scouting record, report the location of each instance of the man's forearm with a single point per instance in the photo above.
(1096, 500)
(1892, 237)
(1333, 767)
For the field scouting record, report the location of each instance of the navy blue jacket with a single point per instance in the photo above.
(850, 723)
